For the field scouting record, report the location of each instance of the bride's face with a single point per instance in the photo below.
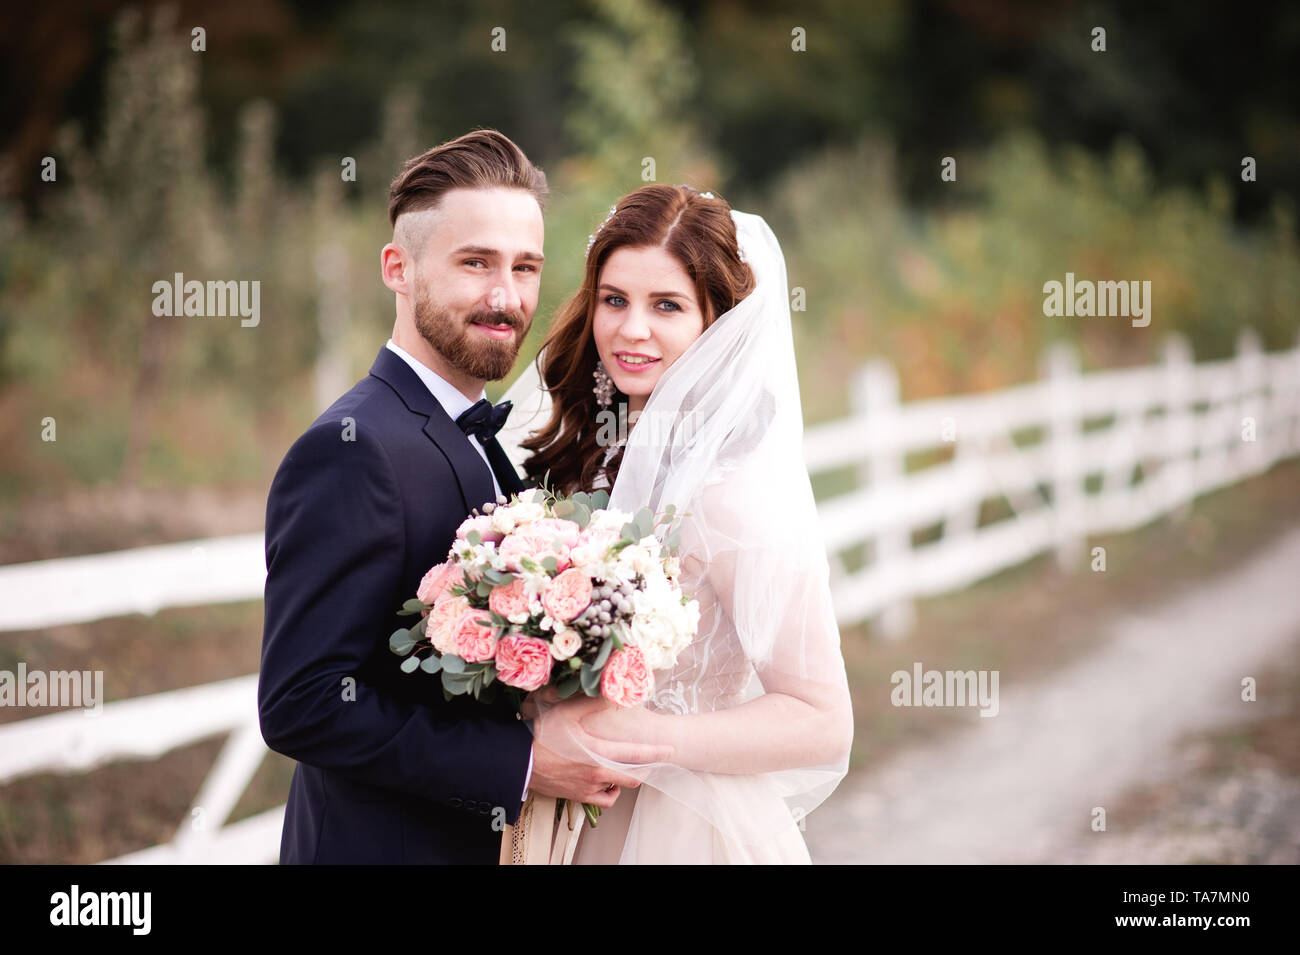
(646, 316)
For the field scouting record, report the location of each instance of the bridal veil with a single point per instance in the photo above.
(721, 438)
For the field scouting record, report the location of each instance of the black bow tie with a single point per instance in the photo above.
(484, 419)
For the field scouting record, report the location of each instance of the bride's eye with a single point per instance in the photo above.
(615, 301)
(672, 306)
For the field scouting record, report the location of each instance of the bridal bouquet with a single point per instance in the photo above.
(551, 591)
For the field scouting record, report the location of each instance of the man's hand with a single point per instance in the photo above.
(561, 764)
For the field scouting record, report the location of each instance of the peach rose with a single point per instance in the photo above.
(440, 628)
(474, 637)
(437, 582)
(567, 595)
(524, 662)
(626, 680)
(565, 644)
(511, 600)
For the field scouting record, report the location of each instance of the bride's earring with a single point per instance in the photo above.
(604, 390)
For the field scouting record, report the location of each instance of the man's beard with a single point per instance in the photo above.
(478, 356)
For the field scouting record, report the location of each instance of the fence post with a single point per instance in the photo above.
(1179, 431)
(1250, 457)
(875, 396)
(1061, 369)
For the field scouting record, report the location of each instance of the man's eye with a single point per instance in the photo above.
(527, 268)
(475, 262)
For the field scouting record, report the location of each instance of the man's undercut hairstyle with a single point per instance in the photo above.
(483, 159)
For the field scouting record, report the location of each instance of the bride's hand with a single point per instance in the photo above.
(608, 721)
(594, 724)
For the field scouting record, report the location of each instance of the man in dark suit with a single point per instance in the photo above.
(367, 500)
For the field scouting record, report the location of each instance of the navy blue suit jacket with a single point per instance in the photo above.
(365, 502)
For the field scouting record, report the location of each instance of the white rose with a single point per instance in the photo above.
(657, 638)
(633, 560)
(526, 512)
(565, 644)
(609, 520)
(502, 520)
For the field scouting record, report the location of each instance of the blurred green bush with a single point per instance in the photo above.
(952, 294)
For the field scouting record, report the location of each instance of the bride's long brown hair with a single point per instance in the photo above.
(696, 230)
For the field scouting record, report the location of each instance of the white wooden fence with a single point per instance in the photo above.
(1189, 427)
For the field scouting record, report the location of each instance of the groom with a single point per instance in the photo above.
(367, 500)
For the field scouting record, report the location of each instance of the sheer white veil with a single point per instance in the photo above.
(721, 438)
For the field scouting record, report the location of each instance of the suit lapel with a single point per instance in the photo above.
(472, 474)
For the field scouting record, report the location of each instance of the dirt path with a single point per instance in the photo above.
(1021, 787)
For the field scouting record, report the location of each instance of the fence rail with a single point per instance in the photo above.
(1065, 457)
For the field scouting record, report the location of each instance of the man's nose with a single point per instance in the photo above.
(505, 297)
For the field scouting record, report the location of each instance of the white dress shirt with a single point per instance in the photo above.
(449, 396)
(455, 404)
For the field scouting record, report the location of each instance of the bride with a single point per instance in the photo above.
(682, 324)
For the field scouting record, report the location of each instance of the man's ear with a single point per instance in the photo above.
(395, 268)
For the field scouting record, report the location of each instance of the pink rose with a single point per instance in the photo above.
(437, 582)
(567, 595)
(524, 662)
(440, 627)
(474, 637)
(527, 543)
(512, 599)
(626, 680)
(557, 528)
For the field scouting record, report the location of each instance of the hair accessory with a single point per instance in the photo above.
(591, 239)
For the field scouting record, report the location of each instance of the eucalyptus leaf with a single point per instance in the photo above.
(410, 664)
(474, 537)
(606, 649)
(431, 663)
(452, 663)
(456, 683)
(400, 642)
(550, 564)
(590, 678)
(566, 688)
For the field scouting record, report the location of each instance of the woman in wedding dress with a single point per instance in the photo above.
(669, 379)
